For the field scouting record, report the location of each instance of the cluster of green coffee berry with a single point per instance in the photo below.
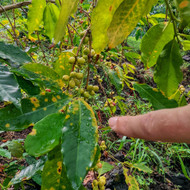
(90, 91)
(99, 184)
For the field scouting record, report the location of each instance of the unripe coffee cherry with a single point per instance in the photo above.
(81, 60)
(86, 40)
(72, 83)
(86, 94)
(81, 90)
(93, 52)
(77, 82)
(85, 57)
(73, 74)
(79, 76)
(96, 88)
(71, 60)
(89, 87)
(92, 93)
(66, 77)
(86, 51)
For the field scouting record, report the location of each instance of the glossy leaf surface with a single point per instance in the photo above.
(168, 74)
(67, 8)
(9, 89)
(35, 15)
(126, 18)
(33, 109)
(51, 15)
(101, 19)
(45, 135)
(27, 173)
(158, 100)
(154, 41)
(54, 173)
(79, 141)
(12, 54)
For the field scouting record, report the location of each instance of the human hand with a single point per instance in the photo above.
(167, 125)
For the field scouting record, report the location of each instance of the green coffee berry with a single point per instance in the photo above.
(66, 77)
(86, 51)
(93, 52)
(73, 74)
(89, 87)
(85, 57)
(71, 60)
(96, 88)
(81, 60)
(86, 40)
(86, 94)
(77, 82)
(79, 75)
(81, 90)
(72, 83)
(92, 93)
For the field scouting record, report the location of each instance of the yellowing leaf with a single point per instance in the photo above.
(35, 15)
(101, 18)
(126, 18)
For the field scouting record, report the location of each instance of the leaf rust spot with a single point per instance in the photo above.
(183, 4)
(46, 100)
(67, 117)
(7, 125)
(110, 9)
(44, 109)
(54, 99)
(33, 133)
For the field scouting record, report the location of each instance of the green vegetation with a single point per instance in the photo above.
(66, 67)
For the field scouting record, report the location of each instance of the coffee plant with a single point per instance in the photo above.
(54, 96)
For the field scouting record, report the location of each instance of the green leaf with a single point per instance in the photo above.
(115, 78)
(9, 87)
(186, 45)
(54, 173)
(51, 15)
(5, 153)
(80, 137)
(184, 9)
(142, 167)
(168, 74)
(67, 8)
(45, 135)
(16, 149)
(12, 54)
(27, 85)
(130, 180)
(33, 110)
(126, 18)
(62, 65)
(35, 15)
(154, 41)
(42, 70)
(158, 100)
(101, 19)
(27, 173)
(106, 167)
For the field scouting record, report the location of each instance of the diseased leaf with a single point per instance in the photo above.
(54, 172)
(154, 41)
(106, 167)
(62, 65)
(102, 16)
(130, 180)
(35, 15)
(9, 89)
(33, 110)
(142, 167)
(158, 100)
(184, 9)
(126, 18)
(12, 54)
(51, 15)
(45, 135)
(168, 74)
(79, 139)
(28, 172)
(67, 8)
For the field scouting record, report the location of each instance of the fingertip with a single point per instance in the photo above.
(113, 122)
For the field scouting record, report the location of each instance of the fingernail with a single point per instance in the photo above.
(113, 122)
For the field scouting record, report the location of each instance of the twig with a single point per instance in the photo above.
(18, 5)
